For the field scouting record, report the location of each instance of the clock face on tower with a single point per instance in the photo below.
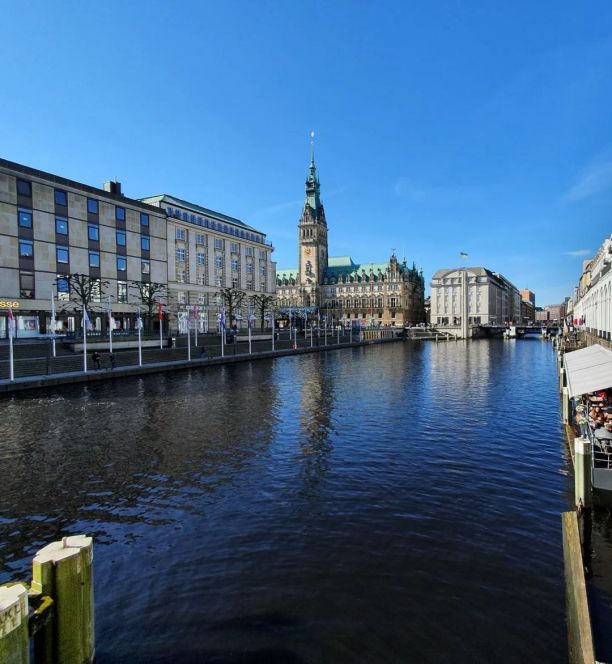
(308, 251)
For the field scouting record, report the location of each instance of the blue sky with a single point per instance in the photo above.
(441, 127)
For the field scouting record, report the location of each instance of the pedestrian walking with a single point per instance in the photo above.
(96, 359)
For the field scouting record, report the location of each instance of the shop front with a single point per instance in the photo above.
(27, 322)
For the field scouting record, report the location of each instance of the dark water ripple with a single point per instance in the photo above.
(389, 504)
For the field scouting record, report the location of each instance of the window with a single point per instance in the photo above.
(180, 276)
(262, 286)
(249, 268)
(145, 267)
(249, 284)
(61, 226)
(63, 288)
(120, 213)
(61, 198)
(249, 251)
(219, 261)
(93, 232)
(263, 254)
(218, 280)
(181, 297)
(62, 255)
(234, 282)
(122, 292)
(181, 234)
(262, 270)
(144, 219)
(203, 298)
(24, 188)
(234, 264)
(218, 243)
(92, 206)
(200, 238)
(234, 247)
(180, 255)
(24, 218)
(26, 284)
(200, 258)
(26, 249)
(121, 263)
(120, 238)
(94, 259)
(145, 243)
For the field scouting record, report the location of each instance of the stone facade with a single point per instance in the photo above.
(341, 290)
(51, 226)
(208, 251)
(492, 299)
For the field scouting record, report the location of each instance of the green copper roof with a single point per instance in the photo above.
(173, 200)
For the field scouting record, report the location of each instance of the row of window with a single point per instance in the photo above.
(24, 188)
(181, 234)
(215, 225)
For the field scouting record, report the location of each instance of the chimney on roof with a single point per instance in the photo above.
(113, 187)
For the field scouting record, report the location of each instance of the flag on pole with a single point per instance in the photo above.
(53, 313)
(86, 322)
(463, 255)
(11, 324)
(222, 319)
(139, 324)
(160, 311)
(109, 311)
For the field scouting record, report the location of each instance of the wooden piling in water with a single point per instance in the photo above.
(14, 639)
(64, 571)
(579, 632)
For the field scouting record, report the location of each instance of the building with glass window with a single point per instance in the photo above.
(208, 251)
(491, 298)
(343, 291)
(52, 227)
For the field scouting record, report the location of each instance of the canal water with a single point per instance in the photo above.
(394, 503)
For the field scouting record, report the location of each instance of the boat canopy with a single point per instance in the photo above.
(588, 370)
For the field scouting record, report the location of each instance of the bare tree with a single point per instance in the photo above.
(82, 291)
(150, 294)
(262, 304)
(232, 299)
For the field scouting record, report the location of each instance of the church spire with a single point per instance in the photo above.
(312, 183)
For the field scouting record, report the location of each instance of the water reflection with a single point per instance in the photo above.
(321, 508)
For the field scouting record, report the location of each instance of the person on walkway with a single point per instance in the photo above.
(113, 360)
(96, 359)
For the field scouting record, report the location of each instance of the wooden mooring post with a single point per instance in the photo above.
(579, 632)
(63, 580)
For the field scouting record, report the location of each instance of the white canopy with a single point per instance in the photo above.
(588, 370)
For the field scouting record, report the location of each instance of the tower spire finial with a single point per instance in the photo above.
(312, 135)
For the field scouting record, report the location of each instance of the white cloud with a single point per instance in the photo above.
(594, 179)
(578, 252)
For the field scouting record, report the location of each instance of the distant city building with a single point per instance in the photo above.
(492, 299)
(53, 227)
(528, 296)
(592, 298)
(527, 311)
(208, 251)
(388, 293)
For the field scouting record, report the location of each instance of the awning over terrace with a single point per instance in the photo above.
(588, 370)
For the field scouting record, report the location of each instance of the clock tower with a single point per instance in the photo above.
(312, 242)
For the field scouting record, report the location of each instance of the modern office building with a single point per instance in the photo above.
(388, 293)
(491, 298)
(52, 227)
(55, 232)
(208, 251)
